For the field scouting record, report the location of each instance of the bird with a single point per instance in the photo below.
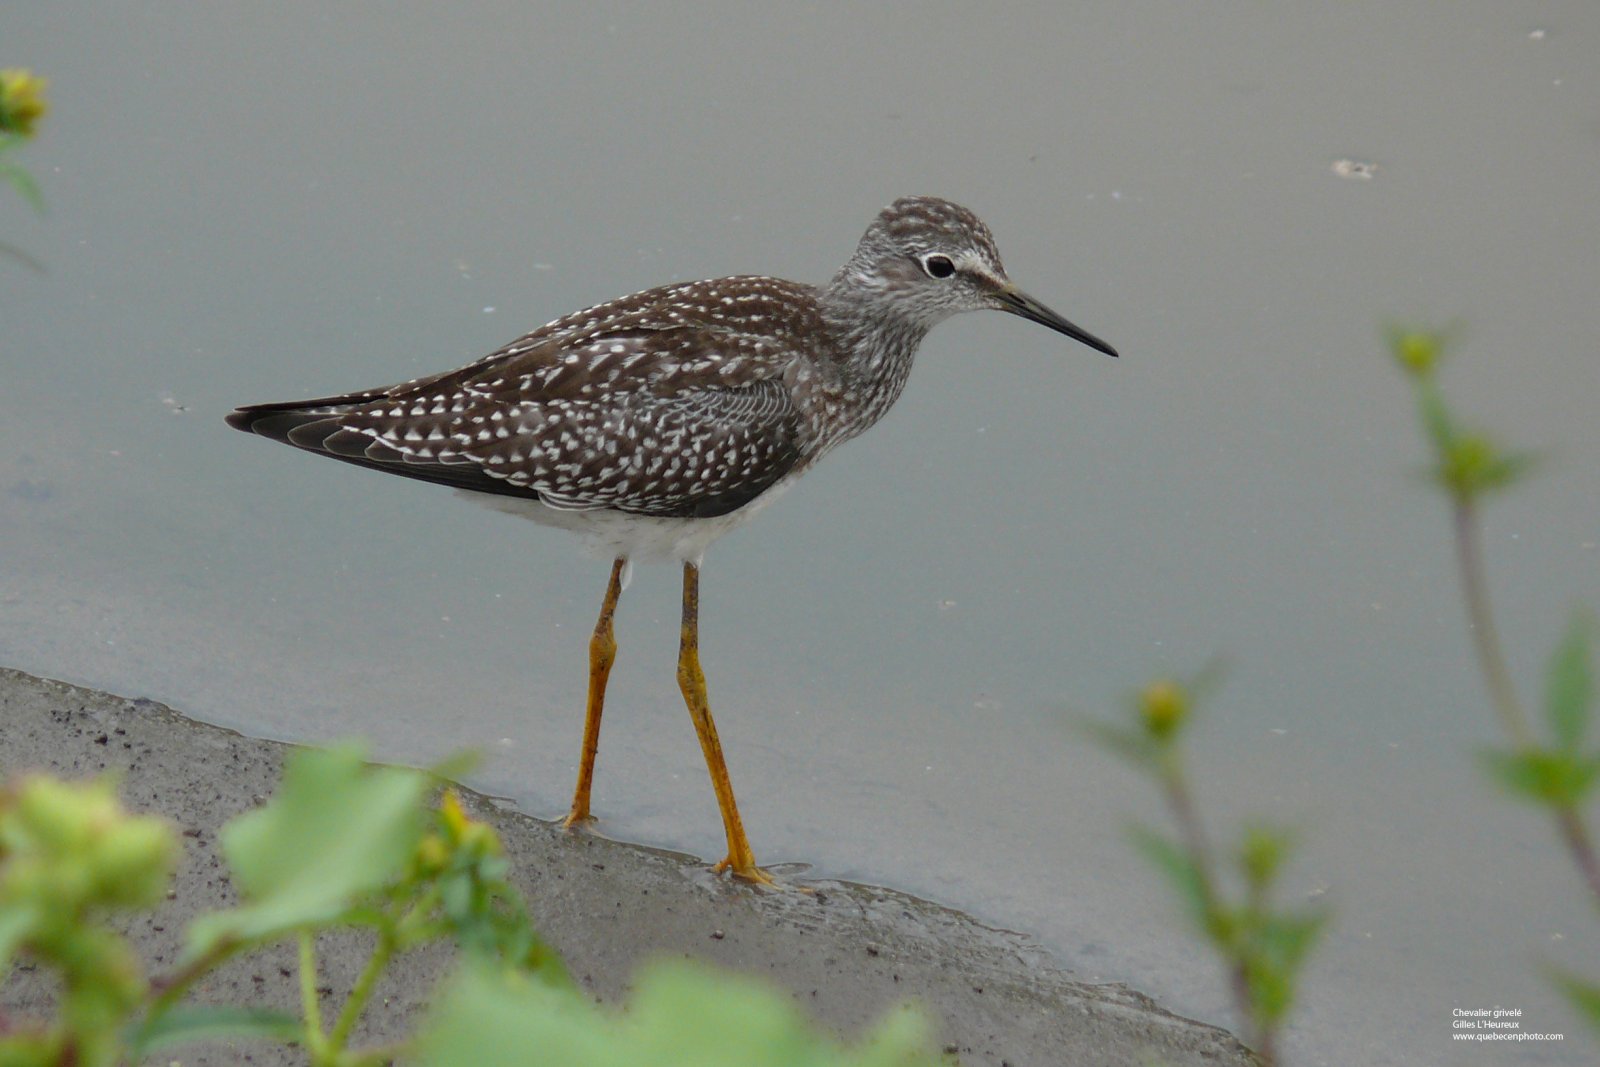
(656, 423)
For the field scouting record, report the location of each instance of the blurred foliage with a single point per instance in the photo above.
(1556, 768)
(336, 832)
(680, 1015)
(347, 845)
(1227, 898)
(70, 858)
(22, 105)
(1560, 774)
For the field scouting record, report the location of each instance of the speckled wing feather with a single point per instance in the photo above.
(670, 402)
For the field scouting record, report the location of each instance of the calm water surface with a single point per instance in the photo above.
(257, 203)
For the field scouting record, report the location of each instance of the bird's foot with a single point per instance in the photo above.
(746, 872)
(749, 872)
(577, 819)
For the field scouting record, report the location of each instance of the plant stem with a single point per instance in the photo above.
(1480, 619)
(1267, 1046)
(316, 1040)
(171, 988)
(1176, 786)
(357, 1001)
(1578, 842)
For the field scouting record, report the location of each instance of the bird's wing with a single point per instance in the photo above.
(686, 420)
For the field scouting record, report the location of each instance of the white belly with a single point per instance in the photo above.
(615, 534)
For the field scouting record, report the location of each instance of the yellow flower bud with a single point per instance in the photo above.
(1417, 353)
(480, 839)
(22, 102)
(1163, 705)
(451, 814)
(464, 832)
(433, 855)
(1260, 855)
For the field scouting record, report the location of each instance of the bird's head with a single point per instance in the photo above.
(924, 259)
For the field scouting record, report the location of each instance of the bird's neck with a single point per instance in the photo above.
(875, 347)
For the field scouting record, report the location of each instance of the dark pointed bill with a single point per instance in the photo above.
(1017, 302)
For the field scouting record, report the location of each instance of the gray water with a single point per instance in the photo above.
(262, 202)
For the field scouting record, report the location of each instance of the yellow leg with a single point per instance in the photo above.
(602, 653)
(740, 860)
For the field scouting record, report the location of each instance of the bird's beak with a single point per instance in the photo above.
(1017, 302)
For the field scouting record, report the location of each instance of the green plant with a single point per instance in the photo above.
(1558, 770)
(22, 105)
(1227, 898)
(69, 858)
(680, 1015)
(342, 845)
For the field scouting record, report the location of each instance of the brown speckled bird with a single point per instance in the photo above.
(655, 423)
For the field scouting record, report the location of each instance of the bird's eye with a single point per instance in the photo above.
(938, 266)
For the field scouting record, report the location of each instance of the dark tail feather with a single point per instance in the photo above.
(317, 426)
(265, 418)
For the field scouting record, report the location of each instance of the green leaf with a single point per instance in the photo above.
(495, 926)
(1288, 939)
(674, 1007)
(1471, 464)
(484, 1018)
(336, 830)
(200, 1023)
(1271, 992)
(682, 1015)
(1182, 873)
(1582, 993)
(1262, 851)
(1272, 955)
(24, 184)
(1436, 419)
(1545, 776)
(17, 921)
(457, 765)
(1569, 687)
(1133, 745)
